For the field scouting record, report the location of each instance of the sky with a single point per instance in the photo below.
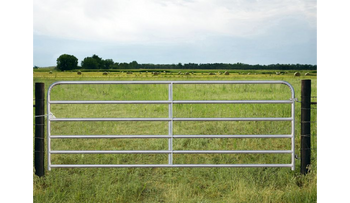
(176, 31)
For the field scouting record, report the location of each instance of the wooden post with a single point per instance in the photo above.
(39, 129)
(305, 149)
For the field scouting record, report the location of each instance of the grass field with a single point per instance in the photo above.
(175, 184)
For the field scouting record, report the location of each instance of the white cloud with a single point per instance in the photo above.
(172, 31)
(141, 21)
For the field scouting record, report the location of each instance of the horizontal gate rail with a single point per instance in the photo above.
(179, 102)
(170, 119)
(165, 136)
(175, 152)
(171, 166)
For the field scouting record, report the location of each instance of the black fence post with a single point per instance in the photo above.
(305, 149)
(39, 129)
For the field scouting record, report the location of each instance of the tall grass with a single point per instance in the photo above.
(175, 184)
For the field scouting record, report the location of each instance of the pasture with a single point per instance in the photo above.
(175, 184)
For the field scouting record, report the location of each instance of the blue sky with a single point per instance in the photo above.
(176, 31)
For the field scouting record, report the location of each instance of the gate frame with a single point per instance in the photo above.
(170, 119)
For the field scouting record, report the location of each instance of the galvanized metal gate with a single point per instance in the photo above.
(170, 119)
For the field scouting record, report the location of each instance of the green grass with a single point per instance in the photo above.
(175, 184)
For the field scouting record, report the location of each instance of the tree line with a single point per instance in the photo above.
(70, 62)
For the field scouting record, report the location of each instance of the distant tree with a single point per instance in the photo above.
(94, 62)
(107, 63)
(89, 63)
(67, 62)
(98, 60)
(115, 65)
(133, 64)
(35, 67)
(123, 65)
